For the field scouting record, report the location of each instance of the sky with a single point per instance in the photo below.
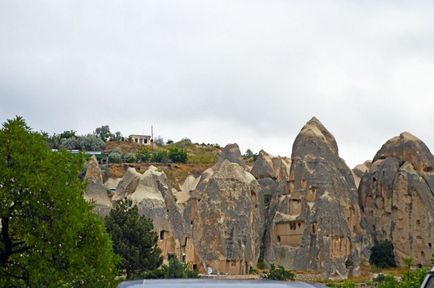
(245, 71)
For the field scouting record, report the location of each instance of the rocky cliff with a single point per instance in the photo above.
(227, 215)
(397, 196)
(317, 223)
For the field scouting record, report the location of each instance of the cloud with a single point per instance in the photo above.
(222, 71)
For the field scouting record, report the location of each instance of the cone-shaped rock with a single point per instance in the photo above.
(96, 192)
(318, 224)
(397, 197)
(228, 218)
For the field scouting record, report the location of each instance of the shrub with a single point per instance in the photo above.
(115, 157)
(175, 269)
(177, 155)
(160, 157)
(344, 284)
(129, 157)
(279, 273)
(382, 255)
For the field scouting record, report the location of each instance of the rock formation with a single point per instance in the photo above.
(96, 192)
(359, 171)
(317, 224)
(226, 215)
(397, 195)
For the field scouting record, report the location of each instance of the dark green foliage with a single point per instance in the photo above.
(133, 239)
(160, 156)
(129, 157)
(103, 133)
(115, 157)
(117, 136)
(49, 235)
(409, 280)
(177, 155)
(382, 255)
(343, 284)
(175, 269)
(279, 273)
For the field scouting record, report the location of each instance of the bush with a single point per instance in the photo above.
(344, 284)
(160, 157)
(279, 273)
(115, 157)
(129, 157)
(382, 255)
(175, 269)
(177, 155)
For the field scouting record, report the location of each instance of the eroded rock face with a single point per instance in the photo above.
(359, 171)
(151, 193)
(397, 197)
(266, 166)
(226, 214)
(96, 191)
(317, 224)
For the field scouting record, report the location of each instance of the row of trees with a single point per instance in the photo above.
(145, 155)
(91, 142)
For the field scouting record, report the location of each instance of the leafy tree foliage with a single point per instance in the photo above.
(279, 273)
(382, 254)
(83, 143)
(103, 133)
(175, 269)
(177, 155)
(49, 235)
(133, 239)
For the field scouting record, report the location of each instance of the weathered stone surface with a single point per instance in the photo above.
(226, 215)
(359, 171)
(397, 197)
(317, 223)
(96, 192)
(151, 193)
(127, 185)
(232, 153)
(187, 187)
(266, 166)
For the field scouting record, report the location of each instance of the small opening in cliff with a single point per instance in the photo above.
(278, 239)
(170, 256)
(429, 245)
(428, 169)
(374, 179)
(163, 234)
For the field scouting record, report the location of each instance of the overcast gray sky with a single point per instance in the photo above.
(251, 72)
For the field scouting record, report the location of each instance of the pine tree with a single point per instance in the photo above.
(133, 239)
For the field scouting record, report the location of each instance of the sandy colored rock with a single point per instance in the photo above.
(317, 224)
(397, 197)
(359, 171)
(96, 192)
(227, 217)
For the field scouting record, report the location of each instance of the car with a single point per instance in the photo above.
(214, 283)
(428, 282)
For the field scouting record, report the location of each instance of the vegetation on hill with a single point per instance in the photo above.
(134, 239)
(49, 235)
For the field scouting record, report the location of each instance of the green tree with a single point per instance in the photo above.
(133, 239)
(177, 155)
(175, 269)
(382, 254)
(103, 133)
(279, 273)
(49, 235)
